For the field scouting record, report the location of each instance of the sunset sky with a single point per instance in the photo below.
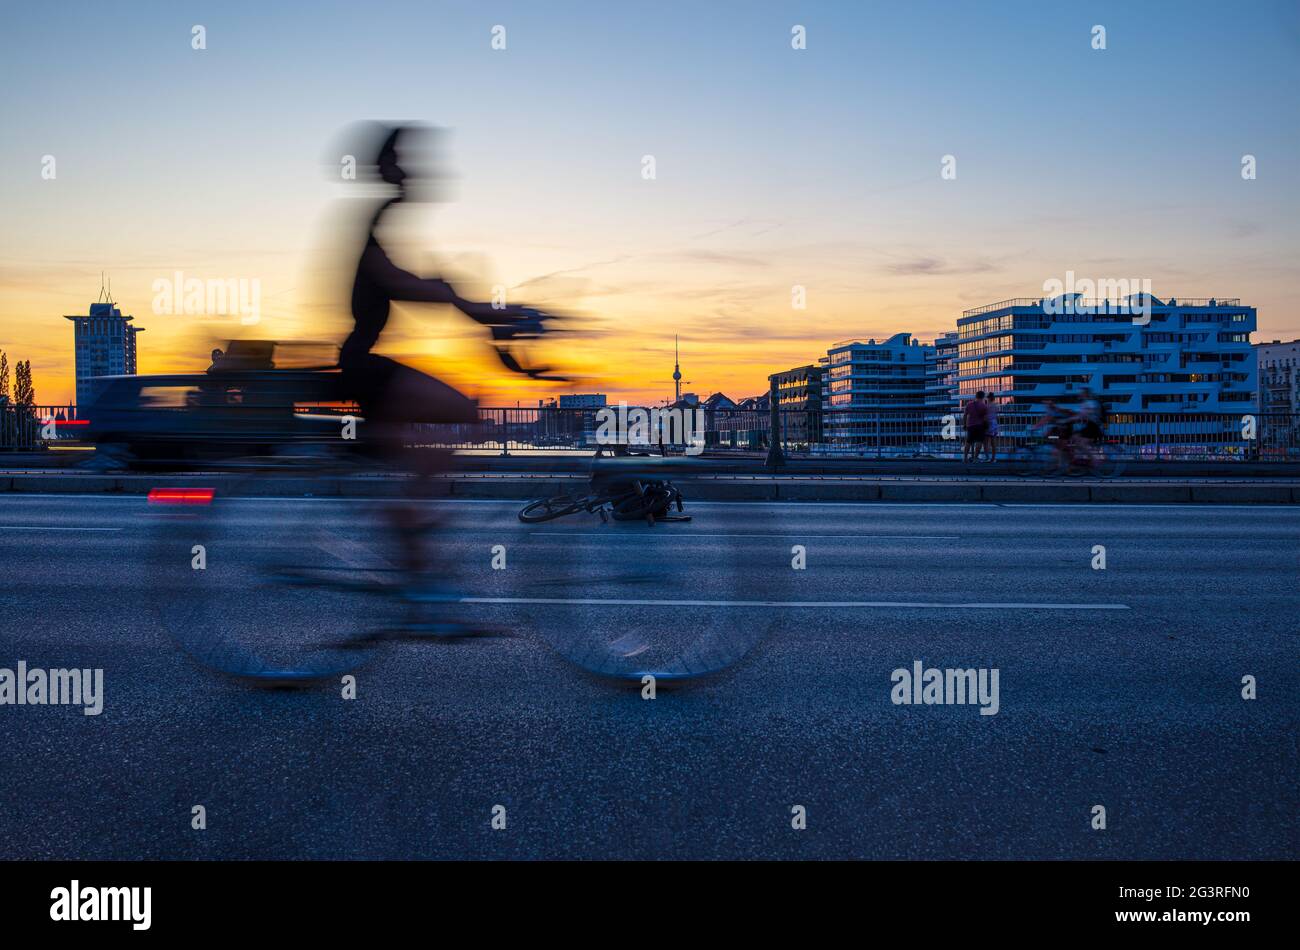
(775, 167)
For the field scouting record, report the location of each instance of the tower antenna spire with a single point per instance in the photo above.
(677, 372)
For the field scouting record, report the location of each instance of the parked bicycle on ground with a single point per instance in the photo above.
(622, 487)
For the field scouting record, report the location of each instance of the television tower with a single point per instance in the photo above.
(677, 373)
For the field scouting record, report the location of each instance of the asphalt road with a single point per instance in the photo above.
(1118, 687)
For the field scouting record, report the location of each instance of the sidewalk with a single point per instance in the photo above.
(524, 486)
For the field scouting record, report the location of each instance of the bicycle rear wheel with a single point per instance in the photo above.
(1036, 460)
(270, 590)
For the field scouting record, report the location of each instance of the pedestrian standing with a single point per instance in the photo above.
(990, 439)
(976, 413)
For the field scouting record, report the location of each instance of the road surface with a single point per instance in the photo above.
(1119, 687)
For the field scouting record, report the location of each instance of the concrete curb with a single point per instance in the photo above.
(704, 489)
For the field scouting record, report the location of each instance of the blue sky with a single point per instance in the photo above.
(774, 166)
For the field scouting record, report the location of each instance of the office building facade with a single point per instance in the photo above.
(105, 346)
(1278, 366)
(799, 399)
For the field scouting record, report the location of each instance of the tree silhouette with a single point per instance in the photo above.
(24, 394)
(4, 376)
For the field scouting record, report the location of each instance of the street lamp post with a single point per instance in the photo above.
(775, 457)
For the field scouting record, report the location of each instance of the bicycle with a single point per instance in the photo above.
(1050, 456)
(624, 488)
(651, 500)
(1101, 459)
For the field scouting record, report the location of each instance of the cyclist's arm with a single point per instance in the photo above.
(403, 285)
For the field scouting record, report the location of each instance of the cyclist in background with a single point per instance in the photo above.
(1053, 426)
(1087, 425)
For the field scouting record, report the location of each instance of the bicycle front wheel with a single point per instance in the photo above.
(1109, 462)
(548, 509)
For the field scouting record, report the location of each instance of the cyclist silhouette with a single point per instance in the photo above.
(391, 394)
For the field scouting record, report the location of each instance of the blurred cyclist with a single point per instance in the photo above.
(1087, 425)
(392, 395)
(1053, 425)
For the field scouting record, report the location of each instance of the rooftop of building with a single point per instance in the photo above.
(100, 310)
(898, 339)
(1102, 306)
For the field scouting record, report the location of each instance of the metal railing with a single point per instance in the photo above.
(921, 432)
(1139, 436)
(885, 433)
(28, 428)
(1172, 304)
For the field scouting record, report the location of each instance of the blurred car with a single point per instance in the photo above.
(259, 400)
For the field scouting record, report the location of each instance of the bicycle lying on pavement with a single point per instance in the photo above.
(622, 488)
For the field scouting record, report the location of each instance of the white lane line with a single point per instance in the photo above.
(42, 527)
(796, 535)
(833, 604)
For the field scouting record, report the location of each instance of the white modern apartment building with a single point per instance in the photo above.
(940, 394)
(1175, 375)
(874, 394)
(1181, 356)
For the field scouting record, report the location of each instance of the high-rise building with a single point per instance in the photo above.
(1180, 356)
(105, 346)
(874, 394)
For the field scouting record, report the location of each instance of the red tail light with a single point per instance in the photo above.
(181, 496)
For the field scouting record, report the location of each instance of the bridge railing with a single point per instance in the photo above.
(28, 428)
(911, 433)
(920, 432)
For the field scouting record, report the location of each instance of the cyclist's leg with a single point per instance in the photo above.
(404, 396)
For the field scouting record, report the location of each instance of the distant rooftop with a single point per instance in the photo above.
(898, 339)
(100, 310)
(1078, 300)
